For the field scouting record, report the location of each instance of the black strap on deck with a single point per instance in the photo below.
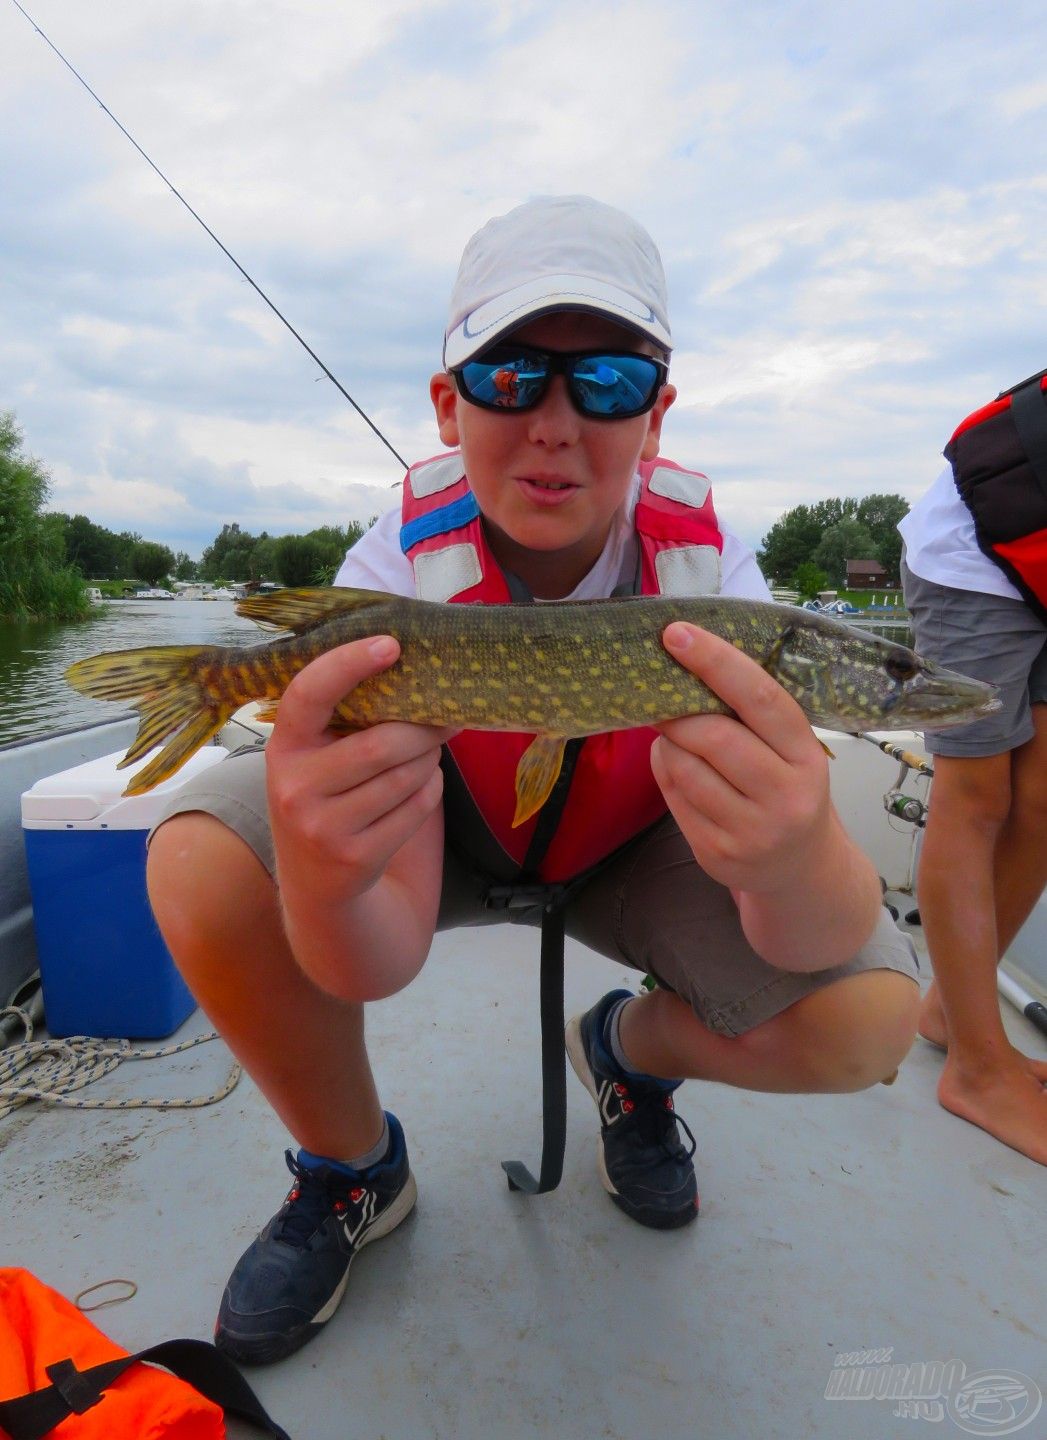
(526, 894)
(73, 1391)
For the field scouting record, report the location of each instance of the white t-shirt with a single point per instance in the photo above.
(940, 543)
(376, 561)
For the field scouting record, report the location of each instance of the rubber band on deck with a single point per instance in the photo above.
(132, 1291)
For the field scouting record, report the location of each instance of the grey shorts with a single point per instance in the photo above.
(651, 908)
(988, 637)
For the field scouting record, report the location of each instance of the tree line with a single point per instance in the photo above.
(47, 557)
(234, 555)
(309, 559)
(35, 576)
(809, 546)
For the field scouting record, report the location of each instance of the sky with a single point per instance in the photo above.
(850, 201)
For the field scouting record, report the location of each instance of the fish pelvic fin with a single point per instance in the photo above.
(268, 710)
(536, 775)
(165, 687)
(299, 610)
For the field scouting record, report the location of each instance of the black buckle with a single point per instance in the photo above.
(523, 897)
(78, 1392)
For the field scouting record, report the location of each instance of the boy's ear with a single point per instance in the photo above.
(444, 395)
(655, 416)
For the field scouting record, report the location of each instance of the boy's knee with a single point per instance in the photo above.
(856, 1032)
(205, 884)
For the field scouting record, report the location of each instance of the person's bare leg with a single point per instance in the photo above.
(844, 1037)
(982, 868)
(970, 805)
(1020, 861)
(218, 911)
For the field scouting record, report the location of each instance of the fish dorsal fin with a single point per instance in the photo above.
(303, 609)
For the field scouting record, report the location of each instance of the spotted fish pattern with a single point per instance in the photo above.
(561, 670)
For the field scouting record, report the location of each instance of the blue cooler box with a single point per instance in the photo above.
(104, 967)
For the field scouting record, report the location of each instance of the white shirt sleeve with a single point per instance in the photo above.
(740, 574)
(376, 561)
(940, 543)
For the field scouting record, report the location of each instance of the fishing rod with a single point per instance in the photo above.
(896, 752)
(200, 221)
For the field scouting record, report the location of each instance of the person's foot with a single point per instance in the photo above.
(290, 1280)
(643, 1164)
(931, 1025)
(1006, 1098)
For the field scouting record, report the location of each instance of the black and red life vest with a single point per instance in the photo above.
(612, 795)
(999, 460)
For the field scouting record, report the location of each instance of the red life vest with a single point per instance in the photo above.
(999, 460)
(613, 795)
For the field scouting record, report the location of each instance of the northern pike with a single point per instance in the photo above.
(559, 669)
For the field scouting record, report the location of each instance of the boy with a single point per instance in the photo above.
(717, 862)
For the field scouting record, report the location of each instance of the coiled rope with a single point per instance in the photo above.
(58, 1068)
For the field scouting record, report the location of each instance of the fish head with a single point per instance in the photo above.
(848, 680)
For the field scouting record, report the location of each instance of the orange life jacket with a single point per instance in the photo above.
(999, 460)
(612, 794)
(59, 1375)
(39, 1327)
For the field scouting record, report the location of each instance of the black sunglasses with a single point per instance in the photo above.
(602, 384)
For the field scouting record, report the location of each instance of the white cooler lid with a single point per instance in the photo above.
(90, 796)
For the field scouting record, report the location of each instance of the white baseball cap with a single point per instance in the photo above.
(556, 252)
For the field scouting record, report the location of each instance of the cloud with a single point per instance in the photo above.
(853, 219)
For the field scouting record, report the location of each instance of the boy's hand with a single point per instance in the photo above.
(341, 806)
(750, 795)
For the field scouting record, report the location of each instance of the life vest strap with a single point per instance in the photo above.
(1029, 412)
(554, 1064)
(440, 521)
(74, 1392)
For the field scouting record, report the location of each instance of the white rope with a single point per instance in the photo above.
(58, 1068)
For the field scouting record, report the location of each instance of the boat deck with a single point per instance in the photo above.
(829, 1225)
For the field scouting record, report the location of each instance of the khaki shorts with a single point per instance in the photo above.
(651, 908)
(988, 637)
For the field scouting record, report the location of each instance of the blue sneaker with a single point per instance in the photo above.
(643, 1164)
(289, 1281)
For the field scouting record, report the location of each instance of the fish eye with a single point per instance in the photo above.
(901, 666)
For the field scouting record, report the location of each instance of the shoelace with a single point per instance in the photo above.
(655, 1118)
(313, 1197)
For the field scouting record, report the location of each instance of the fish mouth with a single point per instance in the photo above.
(937, 698)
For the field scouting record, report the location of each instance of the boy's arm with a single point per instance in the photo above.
(751, 796)
(358, 828)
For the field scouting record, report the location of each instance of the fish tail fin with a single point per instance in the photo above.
(192, 735)
(165, 685)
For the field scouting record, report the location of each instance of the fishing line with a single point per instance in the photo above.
(200, 221)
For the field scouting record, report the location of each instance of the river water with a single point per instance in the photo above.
(34, 696)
